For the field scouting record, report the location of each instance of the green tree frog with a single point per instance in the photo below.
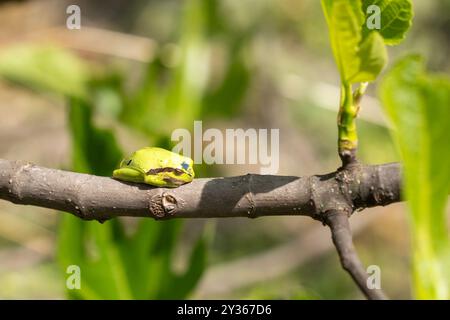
(157, 167)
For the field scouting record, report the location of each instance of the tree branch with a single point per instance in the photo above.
(92, 197)
(342, 239)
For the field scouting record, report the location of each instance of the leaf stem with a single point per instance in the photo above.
(347, 134)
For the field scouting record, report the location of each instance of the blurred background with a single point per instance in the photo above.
(137, 70)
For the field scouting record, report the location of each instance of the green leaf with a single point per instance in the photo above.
(372, 57)
(95, 150)
(344, 19)
(45, 68)
(359, 58)
(418, 105)
(395, 18)
(187, 281)
(141, 263)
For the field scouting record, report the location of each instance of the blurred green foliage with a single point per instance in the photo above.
(46, 68)
(418, 106)
(183, 83)
(115, 265)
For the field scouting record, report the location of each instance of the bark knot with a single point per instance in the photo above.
(164, 205)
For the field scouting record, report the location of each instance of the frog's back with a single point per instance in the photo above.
(154, 157)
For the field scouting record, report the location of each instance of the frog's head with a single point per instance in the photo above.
(129, 170)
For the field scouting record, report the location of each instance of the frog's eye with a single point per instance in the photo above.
(129, 162)
(184, 165)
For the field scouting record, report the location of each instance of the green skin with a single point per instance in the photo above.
(157, 167)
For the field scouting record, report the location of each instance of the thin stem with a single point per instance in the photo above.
(348, 137)
(342, 239)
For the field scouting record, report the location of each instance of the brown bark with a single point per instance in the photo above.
(92, 197)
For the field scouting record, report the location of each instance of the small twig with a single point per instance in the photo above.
(221, 279)
(342, 239)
